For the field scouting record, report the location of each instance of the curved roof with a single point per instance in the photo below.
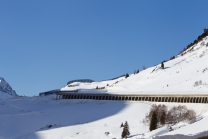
(81, 80)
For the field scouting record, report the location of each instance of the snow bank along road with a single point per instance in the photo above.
(181, 98)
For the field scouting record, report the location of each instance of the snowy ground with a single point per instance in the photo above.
(4, 95)
(47, 118)
(30, 117)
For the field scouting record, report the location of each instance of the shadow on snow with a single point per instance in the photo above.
(67, 113)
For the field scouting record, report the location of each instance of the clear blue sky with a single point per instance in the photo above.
(46, 43)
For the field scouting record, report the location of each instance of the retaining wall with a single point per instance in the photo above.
(128, 97)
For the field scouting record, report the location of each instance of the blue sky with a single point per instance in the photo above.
(44, 44)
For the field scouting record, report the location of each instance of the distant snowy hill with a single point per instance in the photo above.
(186, 74)
(6, 89)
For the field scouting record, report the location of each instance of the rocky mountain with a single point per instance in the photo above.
(6, 88)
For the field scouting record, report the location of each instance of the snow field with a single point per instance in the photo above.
(72, 118)
(81, 119)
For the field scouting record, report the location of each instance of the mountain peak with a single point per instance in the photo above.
(6, 88)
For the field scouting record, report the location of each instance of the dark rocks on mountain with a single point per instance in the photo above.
(6, 88)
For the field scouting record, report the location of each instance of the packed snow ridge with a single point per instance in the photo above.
(6, 89)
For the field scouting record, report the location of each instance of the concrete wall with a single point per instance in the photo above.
(128, 97)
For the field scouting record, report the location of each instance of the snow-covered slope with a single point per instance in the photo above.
(107, 84)
(31, 118)
(185, 74)
(45, 117)
(179, 75)
(5, 89)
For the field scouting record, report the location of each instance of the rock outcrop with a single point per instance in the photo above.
(6, 88)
